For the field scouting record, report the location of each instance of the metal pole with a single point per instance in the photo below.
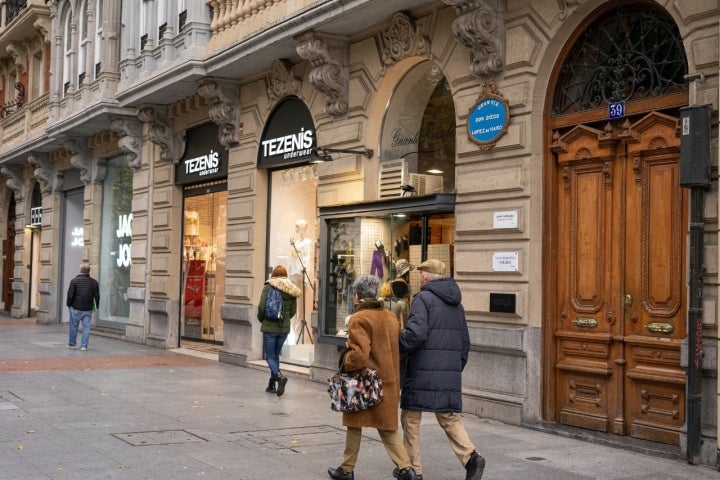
(695, 328)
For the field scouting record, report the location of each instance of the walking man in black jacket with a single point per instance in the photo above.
(436, 343)
(83, 297)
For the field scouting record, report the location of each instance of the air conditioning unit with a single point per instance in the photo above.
(426, 184)
(393, 175)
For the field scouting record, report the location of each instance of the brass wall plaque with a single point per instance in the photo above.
(664, 328)
(582, 322)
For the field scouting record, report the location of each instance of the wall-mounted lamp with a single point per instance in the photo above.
(322, 154)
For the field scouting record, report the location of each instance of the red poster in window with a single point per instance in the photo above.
(194, 288)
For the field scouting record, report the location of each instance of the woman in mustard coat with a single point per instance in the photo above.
(373, 342)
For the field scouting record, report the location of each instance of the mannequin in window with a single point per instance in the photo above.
(301, 249)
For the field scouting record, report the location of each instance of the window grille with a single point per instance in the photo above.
(36, 216)
(628, 54)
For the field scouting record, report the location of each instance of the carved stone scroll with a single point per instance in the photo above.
(130, 133)
(49, 178)
(224, 103)
(330, 74)
(162, 134)
(92, 170)
(14, 180)
(480, 27)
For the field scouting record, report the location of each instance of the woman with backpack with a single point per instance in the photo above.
(278, 304)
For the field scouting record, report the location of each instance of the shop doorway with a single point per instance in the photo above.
(203, 265)
(615, 290)
(293, 244)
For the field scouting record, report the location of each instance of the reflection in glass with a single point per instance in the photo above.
(116, 238)
(417, 149)
(372, 245)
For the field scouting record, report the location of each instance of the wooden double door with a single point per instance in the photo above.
(618, 280)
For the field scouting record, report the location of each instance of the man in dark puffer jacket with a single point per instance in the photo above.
(83, 297)
(436, 343)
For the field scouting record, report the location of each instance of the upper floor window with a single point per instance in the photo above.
(67, 52)
(145, 16)
(182, 14)
(84, 41)
(162, 21)
(97, 57)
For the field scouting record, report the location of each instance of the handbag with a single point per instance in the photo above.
(354, 392)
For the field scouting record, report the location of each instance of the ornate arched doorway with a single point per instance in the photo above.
(616, 217)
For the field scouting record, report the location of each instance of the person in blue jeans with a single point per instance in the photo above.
(276, 330)
(83, 297)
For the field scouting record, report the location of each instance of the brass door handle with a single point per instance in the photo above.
(628, 300)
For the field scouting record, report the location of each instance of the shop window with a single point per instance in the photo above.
(116, 243)
(293, 236)
(370, 241)
(417, 148)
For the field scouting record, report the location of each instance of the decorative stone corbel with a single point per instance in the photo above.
(130, 132)
(14, 180)
(281, 82)
(161, 133)
(480, 26)
(402, 39)
(19, 54)
(224, 101)
(330, 74)
(42, 25)
(92, 170)
(50, 179)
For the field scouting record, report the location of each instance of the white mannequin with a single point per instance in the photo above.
(301, 248)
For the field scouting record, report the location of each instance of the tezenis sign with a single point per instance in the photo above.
(289, 135)
(205, 157)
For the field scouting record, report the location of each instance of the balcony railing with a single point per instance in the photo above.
(13, 9)
(237, 19)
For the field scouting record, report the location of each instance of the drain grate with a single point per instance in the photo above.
(158, 437)
(297, 439)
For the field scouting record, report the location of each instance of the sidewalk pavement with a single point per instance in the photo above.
(127, 411)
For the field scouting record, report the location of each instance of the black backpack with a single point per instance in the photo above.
(274, 304)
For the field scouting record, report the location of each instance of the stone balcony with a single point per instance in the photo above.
(24, 126)
(237, 20)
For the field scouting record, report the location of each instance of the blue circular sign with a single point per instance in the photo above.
(488, 120)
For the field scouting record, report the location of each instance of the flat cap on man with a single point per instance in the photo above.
(432, 266)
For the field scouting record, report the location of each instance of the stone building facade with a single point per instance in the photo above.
(184, 148)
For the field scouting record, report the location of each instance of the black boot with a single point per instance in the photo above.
(474, 467)
(281, 381)
(271, 385)
(340, 474)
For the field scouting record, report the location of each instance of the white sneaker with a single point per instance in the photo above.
(82, 349)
